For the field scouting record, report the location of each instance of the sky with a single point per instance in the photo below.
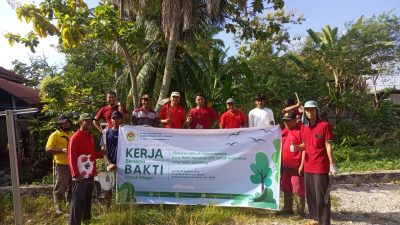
(317, 13)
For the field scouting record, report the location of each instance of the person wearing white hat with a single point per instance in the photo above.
(172, 115)
(232, 118)
(318, 164)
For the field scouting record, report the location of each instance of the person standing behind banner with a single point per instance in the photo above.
(106, 111)
(292, 169)
(291, 105)
(232, 118)
(201, 116)
(109, 144)
(318, 164)
(57, 145)
(82, 163)
(145, 115)
(261, 116)
(172, 115)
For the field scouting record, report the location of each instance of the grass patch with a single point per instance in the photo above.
(358, 159)
(39, 210)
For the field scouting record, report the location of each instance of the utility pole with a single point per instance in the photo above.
(13, 159)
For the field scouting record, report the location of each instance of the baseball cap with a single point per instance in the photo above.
(230, 100)
(311, 104)
(175, 93)
(116, 114)
(289, 116)
(62, 119)
(145, 96)
(85, 116)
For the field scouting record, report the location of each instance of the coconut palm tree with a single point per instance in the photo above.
(180, 16)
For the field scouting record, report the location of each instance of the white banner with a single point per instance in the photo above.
(228, 167)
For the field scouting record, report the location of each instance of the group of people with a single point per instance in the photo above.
(307, 158)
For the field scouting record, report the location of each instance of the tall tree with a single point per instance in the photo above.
(182, 16)
(75, 23)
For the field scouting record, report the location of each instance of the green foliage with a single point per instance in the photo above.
(367, 158)
(373, 128)
(38, 210)
(36, 71)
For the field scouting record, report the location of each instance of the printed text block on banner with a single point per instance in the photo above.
(228, 167)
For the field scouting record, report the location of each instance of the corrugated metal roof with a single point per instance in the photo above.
(26, 94)
(11, 76)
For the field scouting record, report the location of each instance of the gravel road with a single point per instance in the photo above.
(366, 204)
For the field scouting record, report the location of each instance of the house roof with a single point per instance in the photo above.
(26, 94)
(11, 76)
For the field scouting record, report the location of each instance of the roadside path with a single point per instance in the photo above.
(366, 203)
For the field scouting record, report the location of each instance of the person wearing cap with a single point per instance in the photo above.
(232, 118)
(145, 115)
(57, 145)
(261, 116)
(292, 105)
(172, 115)
(109, 144)
(319, 162)
(201, 116)
(105, 112)
(82, 163)
(292, 167)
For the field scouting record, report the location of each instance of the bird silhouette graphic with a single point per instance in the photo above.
(257, 140)
(232, 144)
(235, 134)
(266, 131)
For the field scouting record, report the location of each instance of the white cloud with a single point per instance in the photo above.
(10, 23)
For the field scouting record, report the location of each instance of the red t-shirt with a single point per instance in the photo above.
(177, 116)
(105, 113)
(290, 159)
(233, 119)
(82, 154)
(201, 118)
(314, 138)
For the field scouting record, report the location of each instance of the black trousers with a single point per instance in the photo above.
(316, 189)
(81, 201)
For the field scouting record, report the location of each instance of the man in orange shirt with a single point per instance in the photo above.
(172, 115)
(232, 118)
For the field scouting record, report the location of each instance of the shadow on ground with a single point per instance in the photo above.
(389, 218)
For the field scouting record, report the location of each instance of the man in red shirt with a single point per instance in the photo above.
(172, 115)
(106, 111)
(318, 164)
(82, 164)
(201, 116)
(232, 118)
(292, 180)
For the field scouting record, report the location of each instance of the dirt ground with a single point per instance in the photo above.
(366, 204)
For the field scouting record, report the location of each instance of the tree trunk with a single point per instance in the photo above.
(132, 74)
(169, 62)
(338, 110)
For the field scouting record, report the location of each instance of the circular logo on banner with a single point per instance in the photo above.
(131, 136)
